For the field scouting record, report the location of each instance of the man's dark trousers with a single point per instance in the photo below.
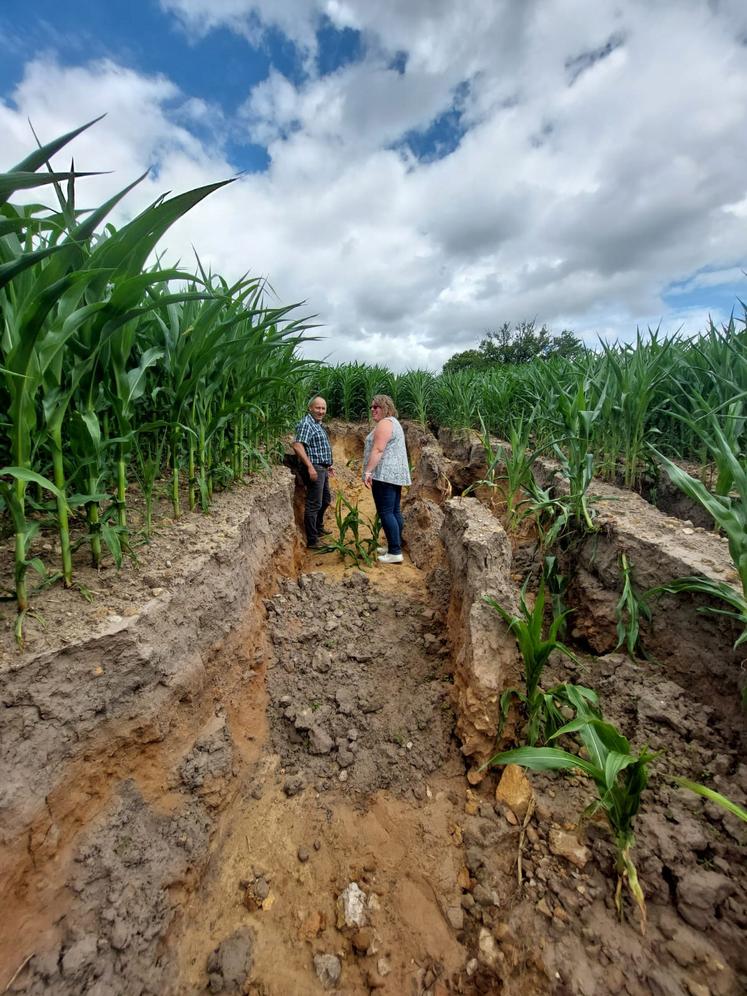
(318, 500)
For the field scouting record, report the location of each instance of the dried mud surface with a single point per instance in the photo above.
(179, 550)
(300, 821)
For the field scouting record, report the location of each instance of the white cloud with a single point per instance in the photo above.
(602, 162)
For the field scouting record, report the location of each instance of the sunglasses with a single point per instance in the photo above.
(375, 406)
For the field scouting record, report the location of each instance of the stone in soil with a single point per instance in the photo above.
(328, 969)
(230, 964)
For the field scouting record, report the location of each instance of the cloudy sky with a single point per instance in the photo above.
(416, 171)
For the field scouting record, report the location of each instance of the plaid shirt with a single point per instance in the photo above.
(314, 437)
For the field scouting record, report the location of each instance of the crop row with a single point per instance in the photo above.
(114, 369)
(661, 390)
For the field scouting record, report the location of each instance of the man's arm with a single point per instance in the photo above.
(300, 450)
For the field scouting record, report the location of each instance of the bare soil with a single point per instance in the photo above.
(301, 821)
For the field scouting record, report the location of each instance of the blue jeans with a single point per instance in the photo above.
(386, 499)
(318, 499)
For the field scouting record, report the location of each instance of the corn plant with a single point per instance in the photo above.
(629, 608)
(149, 445)
(415, 394)
(574, 449)
(457, 399)
(633, 375)
(95, 346)
(552, 514)
(620, 778)
(730, 514)
(349, 543)
(516, 462)
(543, 713)
(557, 584)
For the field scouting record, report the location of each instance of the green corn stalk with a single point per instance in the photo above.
(629, 608)
(517, 463)
(349, 543)
(542, 716)
(557, 584)
(634, 375)
(574, 450)
(415, 394)
(620, 778)
(456, 399)
(149, 448)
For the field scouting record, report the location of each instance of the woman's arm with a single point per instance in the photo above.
(382, 435)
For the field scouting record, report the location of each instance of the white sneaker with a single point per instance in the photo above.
(382, 549)
(391, 558)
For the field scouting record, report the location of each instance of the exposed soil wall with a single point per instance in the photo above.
(485, 657)
(696, 648)
(107, 732)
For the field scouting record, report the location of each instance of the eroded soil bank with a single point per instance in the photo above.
(269, 793)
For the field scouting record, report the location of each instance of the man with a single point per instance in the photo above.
(315, 453)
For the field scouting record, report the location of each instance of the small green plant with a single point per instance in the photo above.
(149, 449)
(620, 778)
(543, 711)
(517, 461)
(492, 460)
(349, 543)
(519, 476)
(557, 584)
(629, 608)
(552, 514)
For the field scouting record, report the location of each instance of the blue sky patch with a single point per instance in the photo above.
(443, 135)
(337, 48)
(220, 68)
(705, 286)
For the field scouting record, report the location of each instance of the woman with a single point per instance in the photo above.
(385, 470)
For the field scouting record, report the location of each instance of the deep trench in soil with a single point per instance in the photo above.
(311, 824)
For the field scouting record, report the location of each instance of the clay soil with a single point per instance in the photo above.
(321, 835)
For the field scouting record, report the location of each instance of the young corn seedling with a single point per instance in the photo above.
(516, 462)
(620, 778)
(628, 611)
(543, 712)
(557, 585)
(349, 543)
(574, 450)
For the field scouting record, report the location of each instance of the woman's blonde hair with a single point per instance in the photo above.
(385, 403)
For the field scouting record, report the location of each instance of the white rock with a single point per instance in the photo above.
(488, 948)
(353, 905)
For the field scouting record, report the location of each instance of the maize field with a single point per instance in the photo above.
(512, 763)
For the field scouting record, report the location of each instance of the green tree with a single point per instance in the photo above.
(470, 359)
(520, 344)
